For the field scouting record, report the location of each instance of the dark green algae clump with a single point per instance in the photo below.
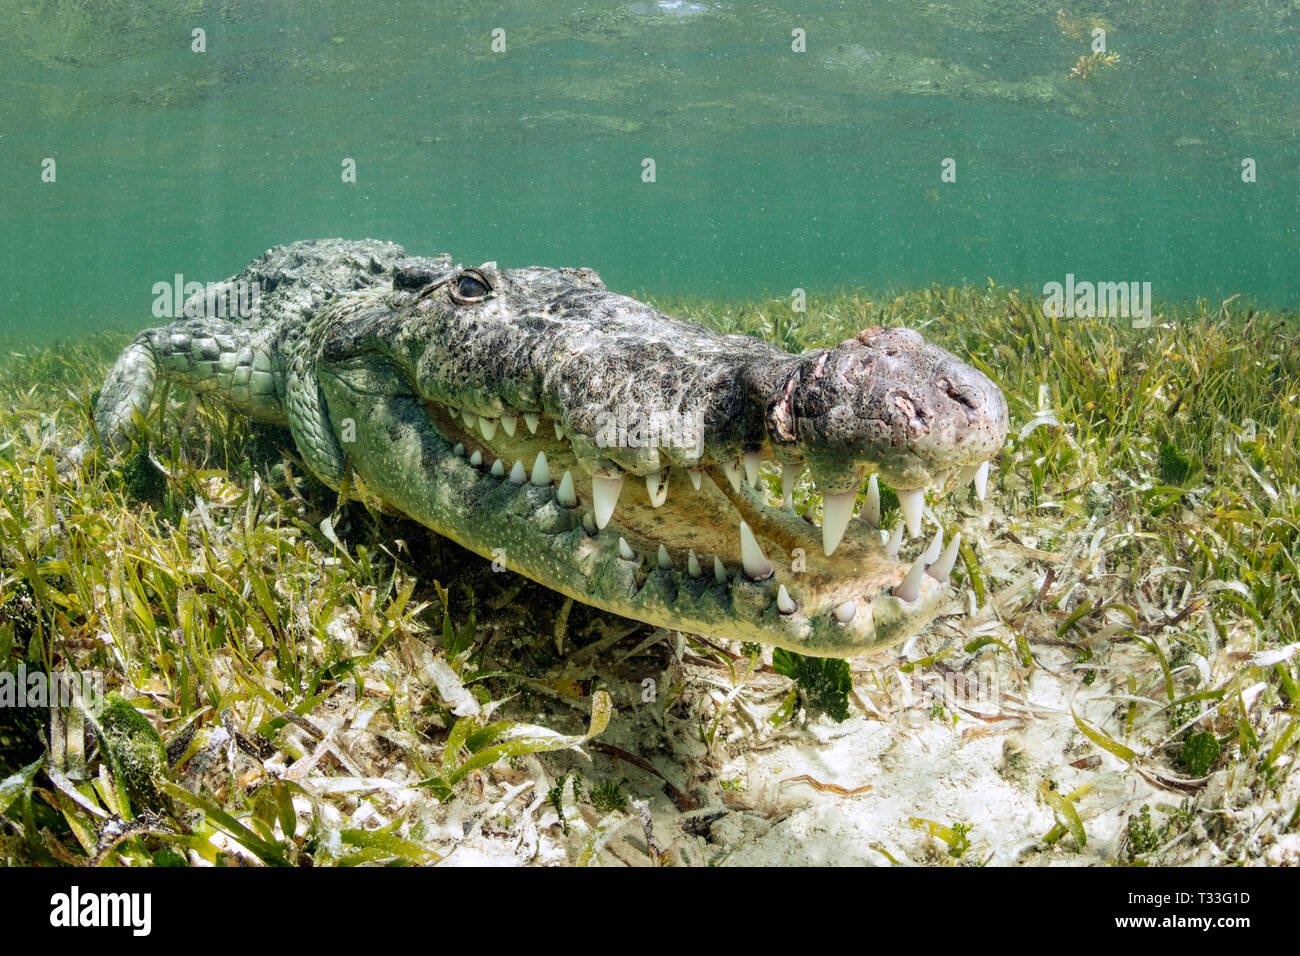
(135, 752)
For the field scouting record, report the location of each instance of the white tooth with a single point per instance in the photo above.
(789, 478)
(935, 549)
(468, 417)
(870, 511)
(509, 423)
(589, 523)
(656, 486)
(476, 459)
(836, 512)
(665, 562)
(517, 473)
(459, 450)
(693, 565)
(488, 426)
(559, 431)
(910, 587)
(530, 419)
(783, 602)
(625, 550)
(604, 493)
(732, 470)
(982, 480)
(719, 572)
(968, 474)
(752, 557)
(845, 612)
(895, 541)
(541, 471)
(911, 502)
(566, 495)
(696, 477)
(943, 567)
(498, 469)
(752, 460)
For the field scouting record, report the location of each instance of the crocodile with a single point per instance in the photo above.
(591, 443)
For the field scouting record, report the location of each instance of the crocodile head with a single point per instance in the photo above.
(616, 454)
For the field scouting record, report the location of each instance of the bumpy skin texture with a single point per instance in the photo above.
(381, 365)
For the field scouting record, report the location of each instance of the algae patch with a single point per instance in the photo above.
(135, 751)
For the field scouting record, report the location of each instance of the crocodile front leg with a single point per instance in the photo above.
(208, 356)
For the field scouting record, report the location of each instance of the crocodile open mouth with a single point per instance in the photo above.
(687, 536)
(714, 536)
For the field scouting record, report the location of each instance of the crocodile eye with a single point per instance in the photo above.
(470, 286)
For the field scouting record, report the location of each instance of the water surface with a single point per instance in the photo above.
(773, 168)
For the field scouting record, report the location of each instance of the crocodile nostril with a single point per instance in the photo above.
(914, 412)
(958, 395)
(891, 340)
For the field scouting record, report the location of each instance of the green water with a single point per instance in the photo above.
(774, 168)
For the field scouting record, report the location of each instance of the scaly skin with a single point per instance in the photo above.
(392, 372)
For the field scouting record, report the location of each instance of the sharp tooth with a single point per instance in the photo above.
(476, 459)
(510, 423)
(845, 612)
(895, 541)
(752, 557)
(910, 587)
(488, 427)
(459, 450)
(530, 419)
(468, 417)
(789, 478)
(665, 562)
(982, 480)
(942, 568)
(604, 493)
(693, 565)
(967, 474)
(870, 511)
(783, 602)
(566, 495)
(589, 523)
(541, 471)
(517, 473)
(656, 486)
(719, 572)
(935, 549)
(559, 431)
(836, 512)
(625, 550)
(732, 470)
(696, 477)
(752, 460)
(498, 469)
(911, 502)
